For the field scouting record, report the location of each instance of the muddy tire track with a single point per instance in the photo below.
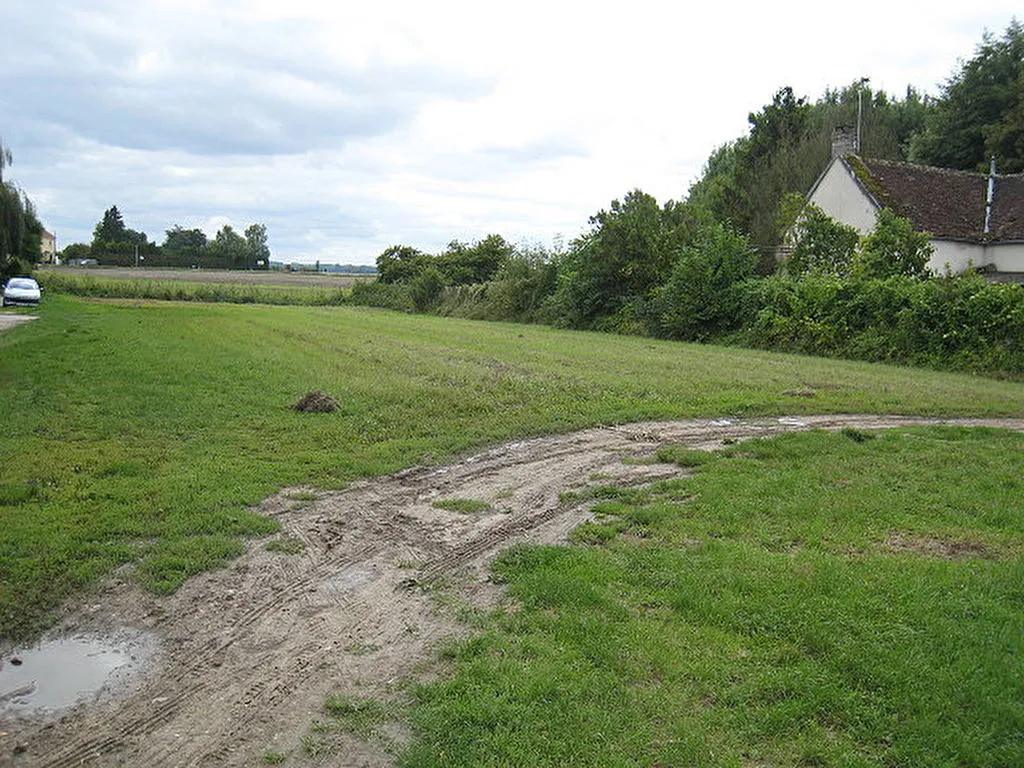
(249, 653)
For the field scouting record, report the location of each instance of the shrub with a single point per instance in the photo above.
(699, 299)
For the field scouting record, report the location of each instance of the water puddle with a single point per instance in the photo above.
(57, 674)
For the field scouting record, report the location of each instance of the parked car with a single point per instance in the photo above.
(20, 291)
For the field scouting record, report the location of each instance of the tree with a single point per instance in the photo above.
(892, 249)
(699, 300)
(75, 252)
(464, 264)
(259, 251)
(821, 244)
(5, 159)
(401, 264)
(111, 228)
(628, 252)
(979, 114)
(184, 247)
(21, 233)
(228, 249)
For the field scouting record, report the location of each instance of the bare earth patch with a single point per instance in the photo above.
(928, 546)
(247, 655)
(8, 320)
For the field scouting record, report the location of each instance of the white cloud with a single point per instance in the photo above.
(349, 127)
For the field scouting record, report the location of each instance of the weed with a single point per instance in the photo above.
(359, 716)
(594, 533)
(286, 545)
(684, 457)
(858, 435)
(274, 758)
(465, 506)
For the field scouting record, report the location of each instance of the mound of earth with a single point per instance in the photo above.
(316, 402)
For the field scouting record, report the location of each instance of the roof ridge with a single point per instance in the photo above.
(951, 171)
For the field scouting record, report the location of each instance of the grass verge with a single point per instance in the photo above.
(809, 600)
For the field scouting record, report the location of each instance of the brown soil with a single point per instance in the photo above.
(247, 654)
(316, 402)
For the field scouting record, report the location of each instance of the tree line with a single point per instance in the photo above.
(114, 243)
(703, 268)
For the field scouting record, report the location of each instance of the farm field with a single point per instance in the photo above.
(147, 434)
(230, 276)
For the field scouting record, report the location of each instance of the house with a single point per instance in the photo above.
(49, 248)
(975, 220)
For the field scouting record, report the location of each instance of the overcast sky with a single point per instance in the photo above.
(347, 127)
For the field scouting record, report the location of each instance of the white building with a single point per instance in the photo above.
(974, 220)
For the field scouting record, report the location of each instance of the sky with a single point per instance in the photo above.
(349, 127)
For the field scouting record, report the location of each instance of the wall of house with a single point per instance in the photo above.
(842, 198)
(1002, 257)
(1006, 257)
(959, 256)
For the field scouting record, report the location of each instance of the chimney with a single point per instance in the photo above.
(844, 141)
(991, 195)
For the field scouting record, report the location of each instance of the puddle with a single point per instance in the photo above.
(57, 674)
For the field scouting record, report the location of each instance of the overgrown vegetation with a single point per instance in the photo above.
(172, 419)
(21, 233)
(815, 599)
(701, 269)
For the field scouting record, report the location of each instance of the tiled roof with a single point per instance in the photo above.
(942, 202)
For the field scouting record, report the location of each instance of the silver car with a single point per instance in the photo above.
(20, 291)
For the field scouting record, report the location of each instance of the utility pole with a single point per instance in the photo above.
(860, 107)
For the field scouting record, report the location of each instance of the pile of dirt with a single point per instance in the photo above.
(316, 402)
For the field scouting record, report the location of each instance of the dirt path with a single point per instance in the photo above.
(247, 654)
(8, 320)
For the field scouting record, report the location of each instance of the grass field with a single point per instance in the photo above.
(228, 276)
(201, 285)
(820, 599)
(140, 433)
(812, 600)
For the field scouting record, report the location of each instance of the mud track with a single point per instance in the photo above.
(248, 653)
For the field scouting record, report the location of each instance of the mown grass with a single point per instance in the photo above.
(180, 290)
(140, 432)
(786, 606)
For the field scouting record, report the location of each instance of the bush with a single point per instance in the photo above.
(381, 295)
(951, 323)
(425, 289)
(699, 300)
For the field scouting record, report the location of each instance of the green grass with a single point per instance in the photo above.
(286, 545)
(183, 290)
(142, 433)
(758, 613)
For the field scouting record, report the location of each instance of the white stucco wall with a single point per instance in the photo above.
(839, 195)
(1002, 257)
(959, 256)
(1007, 257)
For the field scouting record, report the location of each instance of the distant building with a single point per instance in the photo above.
(974, 219)
(49, 248)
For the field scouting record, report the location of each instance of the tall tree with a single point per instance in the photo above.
(259, 251)
(5, 158)
(183, 247)
(228, 249)
(111, 228)
(981, 111)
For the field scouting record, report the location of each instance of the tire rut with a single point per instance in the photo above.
(249, 652)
